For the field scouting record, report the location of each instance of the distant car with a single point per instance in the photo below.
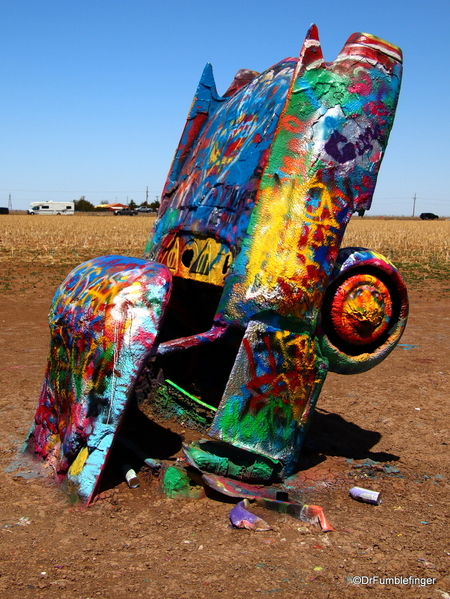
(4, 210)
(144, 209)
(428, 216)
(125, 212)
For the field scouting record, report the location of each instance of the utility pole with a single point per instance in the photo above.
(146, 196)
(9, 203)
(414, 205)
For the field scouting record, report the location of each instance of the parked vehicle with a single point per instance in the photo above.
(125, 212)
(52, 208)
(4, 210)
(144, 209)
(428, 216)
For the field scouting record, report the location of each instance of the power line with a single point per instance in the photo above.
(77, 191)
(158, 191)
(436, 201)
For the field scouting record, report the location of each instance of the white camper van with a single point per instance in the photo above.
(52, 208)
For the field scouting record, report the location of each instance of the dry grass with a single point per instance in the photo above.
(52, 239)
(405, 241)
(418, 248)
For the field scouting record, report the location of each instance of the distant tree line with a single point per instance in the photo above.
(83, 205)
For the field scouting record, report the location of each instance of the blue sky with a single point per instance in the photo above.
(95, 92)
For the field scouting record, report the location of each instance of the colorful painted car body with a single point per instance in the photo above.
(246, 299)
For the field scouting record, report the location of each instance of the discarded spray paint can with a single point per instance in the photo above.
(365, 495)
(130, 476)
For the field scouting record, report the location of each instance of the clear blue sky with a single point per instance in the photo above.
(95, 92)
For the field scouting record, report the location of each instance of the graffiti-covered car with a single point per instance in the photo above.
(244, 300)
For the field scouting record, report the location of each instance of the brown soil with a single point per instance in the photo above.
(385, 430)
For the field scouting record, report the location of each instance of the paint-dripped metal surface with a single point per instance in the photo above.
(104, 320)
(322, 167)
(262, 186)
(273, 387)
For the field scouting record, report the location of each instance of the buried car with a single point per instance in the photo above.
(244, 300)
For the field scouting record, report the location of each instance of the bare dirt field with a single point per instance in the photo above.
(387, 430)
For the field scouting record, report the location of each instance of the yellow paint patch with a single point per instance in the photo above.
(78, 464)
(284, 239)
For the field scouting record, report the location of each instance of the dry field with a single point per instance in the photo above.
(74, 238)
(421, 249)
(384, 430)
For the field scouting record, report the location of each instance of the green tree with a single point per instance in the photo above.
(82, 205)
(154, 206)
(132, 205)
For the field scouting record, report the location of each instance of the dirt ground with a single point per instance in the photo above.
(385, 430)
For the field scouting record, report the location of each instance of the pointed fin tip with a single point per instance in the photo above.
(207, 72)
(313, 32)
(311, 52)
(207, 79)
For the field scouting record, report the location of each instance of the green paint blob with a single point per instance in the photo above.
(229, 461)
(176, 482)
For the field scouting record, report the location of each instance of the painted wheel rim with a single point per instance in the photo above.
(361, 309)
